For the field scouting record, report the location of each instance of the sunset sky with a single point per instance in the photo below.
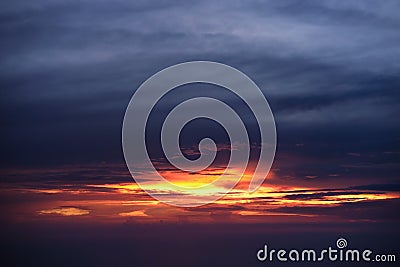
(330, 71)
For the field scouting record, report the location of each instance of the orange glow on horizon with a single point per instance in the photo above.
(127, 201)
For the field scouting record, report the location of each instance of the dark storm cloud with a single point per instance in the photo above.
(374, 210)
(324, 194)
(386, 187)
(329, 69)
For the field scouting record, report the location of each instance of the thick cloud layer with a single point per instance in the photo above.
(330, 71)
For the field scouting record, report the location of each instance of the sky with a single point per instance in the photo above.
(329, 70)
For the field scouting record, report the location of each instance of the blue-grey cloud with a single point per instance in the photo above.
(329, 69)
